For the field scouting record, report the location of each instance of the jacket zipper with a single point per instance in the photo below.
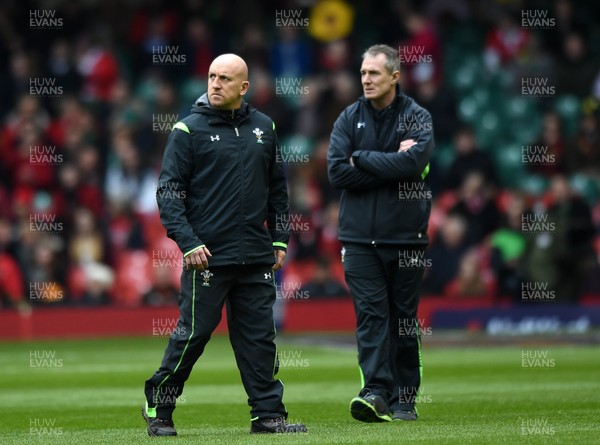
(241, 165)
(374, 218)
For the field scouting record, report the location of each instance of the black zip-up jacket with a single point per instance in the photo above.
(385, 195)
(221, 186)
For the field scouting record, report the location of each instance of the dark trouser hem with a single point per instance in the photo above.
(249, 292)
(385, 290)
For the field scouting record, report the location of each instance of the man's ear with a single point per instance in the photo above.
(395, 77)
(245, 86)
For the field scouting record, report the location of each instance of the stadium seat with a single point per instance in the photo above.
(133, 277)
(465, 77)
(534, 184)
(569, 108)
(468, 109)
(443, 155)
(191, 89)
(586, 187)
(510, 165)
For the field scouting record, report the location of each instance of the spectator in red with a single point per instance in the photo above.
(584, 155)
(11, 279)
(471, 280)
(552, 141)
(420, 55)
(477, 207)
(199, 47)
(99, 68)
(506, 42)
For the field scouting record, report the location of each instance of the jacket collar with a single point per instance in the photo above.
(203, 106)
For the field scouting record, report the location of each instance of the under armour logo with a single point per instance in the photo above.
(215, 138)
(268, 276)
(360, 125)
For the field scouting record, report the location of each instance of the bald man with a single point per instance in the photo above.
(220, 193)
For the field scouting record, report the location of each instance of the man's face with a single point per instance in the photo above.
(226, 83)
(378, 83)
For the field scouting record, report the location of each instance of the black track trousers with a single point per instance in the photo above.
(250, 294)
(385, 286)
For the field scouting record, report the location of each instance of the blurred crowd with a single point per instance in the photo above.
(81, 145)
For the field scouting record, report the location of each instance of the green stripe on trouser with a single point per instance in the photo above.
(188, 340)
(420, 362)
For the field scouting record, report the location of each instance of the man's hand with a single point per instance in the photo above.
(279, 259)
(198, 259)
(405, 145)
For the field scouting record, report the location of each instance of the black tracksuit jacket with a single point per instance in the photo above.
(221, 185)
(372, 210)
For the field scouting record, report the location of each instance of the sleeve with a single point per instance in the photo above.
(341, 174)
(172, 189)
(278, 204)
(410, 164)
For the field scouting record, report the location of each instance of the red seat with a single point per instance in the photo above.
(133, 277)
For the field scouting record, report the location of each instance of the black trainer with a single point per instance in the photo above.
(158, 427)
(276, 425)
(405, 415)
(368, 407)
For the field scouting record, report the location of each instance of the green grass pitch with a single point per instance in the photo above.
(90, 392)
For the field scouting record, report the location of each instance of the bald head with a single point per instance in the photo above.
(232, 61)
(227, 82)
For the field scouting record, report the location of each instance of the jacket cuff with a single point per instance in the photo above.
(193, 250)
(280, 246)
(355, 155)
